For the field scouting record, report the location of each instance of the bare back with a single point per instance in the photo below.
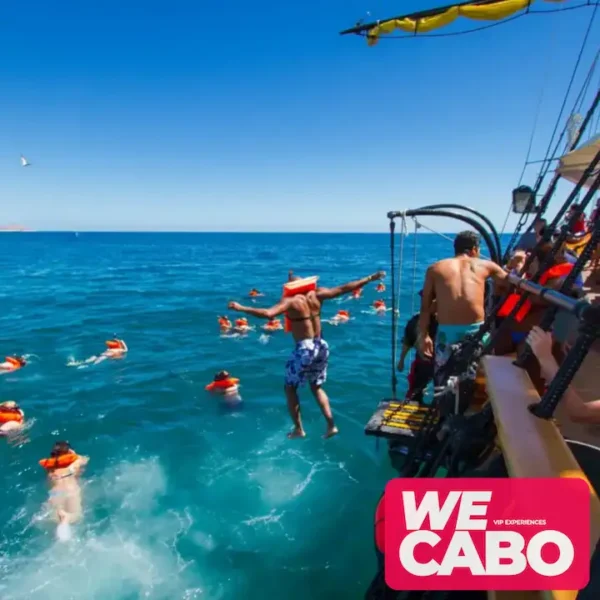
(305, 316)
(459, 288)
(65, 491)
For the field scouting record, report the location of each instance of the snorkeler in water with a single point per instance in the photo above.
(13, 363)
(12, 418)
(254, 293)
(64, 468)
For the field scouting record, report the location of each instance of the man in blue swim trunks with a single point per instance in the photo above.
(458, 286)
(310, 357)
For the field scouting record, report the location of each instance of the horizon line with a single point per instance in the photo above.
(179, 231)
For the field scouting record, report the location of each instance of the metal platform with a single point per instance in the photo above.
(395, 419)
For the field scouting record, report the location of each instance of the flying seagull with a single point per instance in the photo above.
(24, 162)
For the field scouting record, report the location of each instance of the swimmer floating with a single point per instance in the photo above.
(224, 324)
(254, 293)
(273, 325)
(241, 326)
(115, 348)
(342, 316)
(380, 288)
(223, 383)
(13, 363)
(12, 418)
(226, 386)
(379, 306)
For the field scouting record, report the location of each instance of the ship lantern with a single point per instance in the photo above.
(523, 200)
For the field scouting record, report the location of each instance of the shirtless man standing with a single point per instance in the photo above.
(310, 356)
(458, 285)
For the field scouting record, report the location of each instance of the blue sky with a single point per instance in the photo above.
(187, 115)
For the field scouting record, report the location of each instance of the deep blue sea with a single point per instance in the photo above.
(183, 499)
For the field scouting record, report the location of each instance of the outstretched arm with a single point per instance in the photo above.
(496, 272)
(347, 288)
(263, 313)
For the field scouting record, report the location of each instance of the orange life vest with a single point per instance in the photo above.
(115, 345)
(13, 362)
(561, 270)
(241, 323)
(59, 462)
(10, 414)
(293, 288)
(222, 384)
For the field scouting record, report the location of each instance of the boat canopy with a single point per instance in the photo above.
(572, 165)
(429, 20)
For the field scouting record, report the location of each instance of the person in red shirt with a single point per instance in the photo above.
(579, 226)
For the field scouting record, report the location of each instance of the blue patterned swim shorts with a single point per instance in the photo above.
(308, 362)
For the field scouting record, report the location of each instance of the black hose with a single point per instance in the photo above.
(425, 212)
(493, 229)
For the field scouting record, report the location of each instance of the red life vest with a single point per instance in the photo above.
(561, 270)
(579, 225)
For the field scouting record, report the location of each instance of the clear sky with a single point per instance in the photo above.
(235, 115)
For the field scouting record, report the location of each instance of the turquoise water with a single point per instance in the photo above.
(182, 499)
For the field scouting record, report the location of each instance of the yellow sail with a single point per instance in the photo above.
(490, 10)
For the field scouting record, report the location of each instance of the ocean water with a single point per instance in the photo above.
(183, 499)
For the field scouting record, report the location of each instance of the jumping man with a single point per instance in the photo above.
(310, 357)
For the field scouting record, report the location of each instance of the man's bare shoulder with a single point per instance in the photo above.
(441, 265)
(488, 265)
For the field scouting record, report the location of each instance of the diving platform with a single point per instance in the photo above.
(395, 419)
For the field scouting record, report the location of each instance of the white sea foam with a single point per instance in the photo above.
(131, 553)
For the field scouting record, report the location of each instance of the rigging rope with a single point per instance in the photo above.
(537, 111)
(396, 291)
(547, 162)
(412, 305)
(446, 237)
(396, 311)
(567, 93)
(414, 278)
